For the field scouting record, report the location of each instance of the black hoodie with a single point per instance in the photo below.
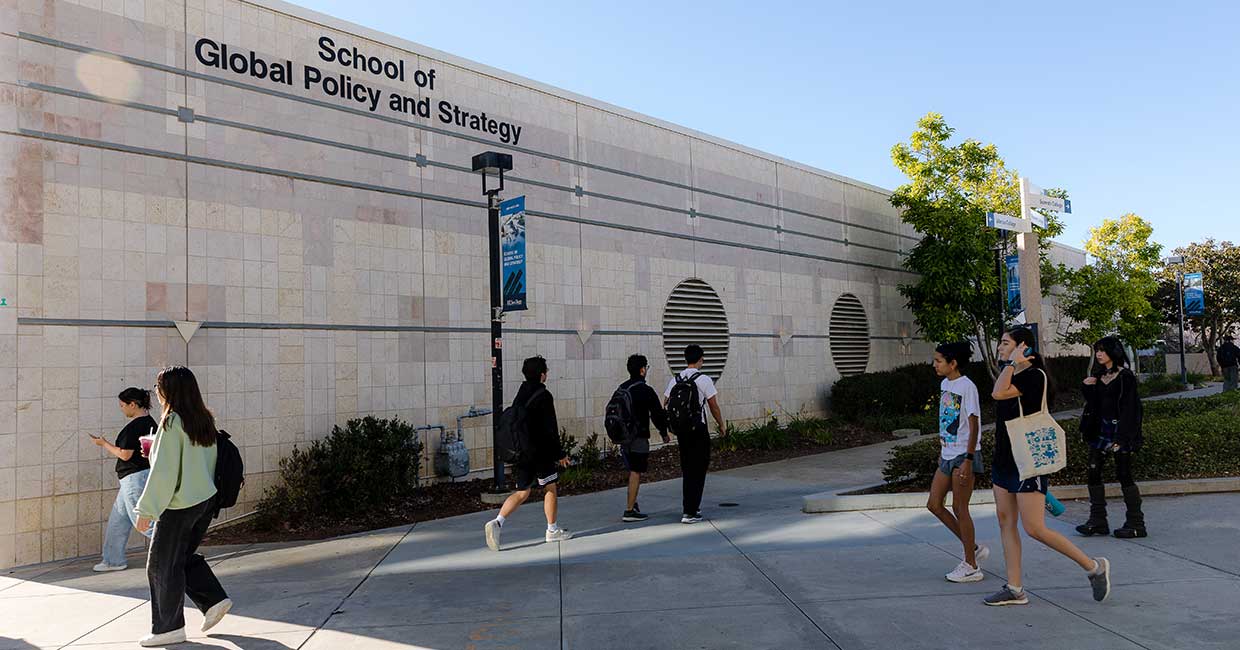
(1117, 400)
(540, 419)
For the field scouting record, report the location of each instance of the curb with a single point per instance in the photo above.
(841, 501)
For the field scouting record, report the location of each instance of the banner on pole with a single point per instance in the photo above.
(1013, 284)
(512, 253)
(1194, 295)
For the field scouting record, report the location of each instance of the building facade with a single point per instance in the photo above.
(295, 193)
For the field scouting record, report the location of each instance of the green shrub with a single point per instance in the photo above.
(591, 455)
(810, 428)
(576, 476)
(1183, 438)
(760, 437)
(357, 470)
(568, 444)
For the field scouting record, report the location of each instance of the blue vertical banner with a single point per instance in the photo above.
(1013, 284)
(1194, 295)
(512, 253)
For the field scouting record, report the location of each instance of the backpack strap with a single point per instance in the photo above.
(537, 393)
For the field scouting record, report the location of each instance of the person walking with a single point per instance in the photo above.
(548, 456)
(180, 496)
(960, 427)
(1229, 360)
(132, 469)
(1023, 384)
(688, 396)
(632, 408)
(1111, 427)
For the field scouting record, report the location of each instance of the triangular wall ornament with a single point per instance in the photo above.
(584, 334)
(784, 337)
(187, 328)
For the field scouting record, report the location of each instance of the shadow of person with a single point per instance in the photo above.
(244, 642)
(7, 643)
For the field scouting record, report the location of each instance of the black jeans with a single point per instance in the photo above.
(1123, 466)
(174, 568)
(694, 461)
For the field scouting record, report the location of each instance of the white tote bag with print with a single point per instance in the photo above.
(1039, 444)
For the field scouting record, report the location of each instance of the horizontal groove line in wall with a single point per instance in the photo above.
(431, 129)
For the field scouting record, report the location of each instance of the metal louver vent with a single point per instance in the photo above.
(849, 336)
(694, 314)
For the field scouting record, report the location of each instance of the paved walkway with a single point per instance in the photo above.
(757, 575)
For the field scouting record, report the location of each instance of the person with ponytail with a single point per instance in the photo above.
(1021, 385)
(180, 495)
(1111, 426)
(132, 470)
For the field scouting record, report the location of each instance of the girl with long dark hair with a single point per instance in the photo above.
(1023, 383)
(1111, 426)
(180, 495)
(132, 470)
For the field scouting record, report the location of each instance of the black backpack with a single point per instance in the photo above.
(618, 418)
(684, 409)
(229, 472)
(512, 440)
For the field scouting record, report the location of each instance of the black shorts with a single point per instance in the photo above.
(1010, 481)
(525, 477)
(636, 461)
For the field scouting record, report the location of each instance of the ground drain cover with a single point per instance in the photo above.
(728, 505)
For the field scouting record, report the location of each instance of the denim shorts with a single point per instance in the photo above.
(949, 465)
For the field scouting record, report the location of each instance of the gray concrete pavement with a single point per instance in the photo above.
(758, 575)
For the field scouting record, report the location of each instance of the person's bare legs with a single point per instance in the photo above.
(938, 493)
(550, 502)
(1008, 511)
(1033, 517)
(962, 492)
(513, 502)
(635, 481)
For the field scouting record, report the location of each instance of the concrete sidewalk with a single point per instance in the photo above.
(758, 575)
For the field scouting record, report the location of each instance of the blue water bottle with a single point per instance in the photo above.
(1053, 505)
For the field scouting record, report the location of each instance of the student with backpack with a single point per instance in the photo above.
(1111, 427)
(960, 427)
(627, 421)
(1022, 387)
(1229, 360)
(688, 396)
(530, 439)
(181, 495)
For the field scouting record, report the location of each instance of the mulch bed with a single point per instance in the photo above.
(441, 500)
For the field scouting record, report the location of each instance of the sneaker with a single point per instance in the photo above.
(634, 515)
(695, 518)
(216, 613)
(104, 566)
(560, 535)
(965, 573)
(1006, 596)
(492, 532)
(160, 640)
(1101, 581)
(981, 554)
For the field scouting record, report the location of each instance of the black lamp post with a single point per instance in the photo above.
(1178, 260)
(494, 164)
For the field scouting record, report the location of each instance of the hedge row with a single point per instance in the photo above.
(1184, 438)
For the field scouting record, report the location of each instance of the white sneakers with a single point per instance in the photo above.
(159, 640)
(965, 573)
(492, 530)
(104, 566)
(559, 535)
(216, 613)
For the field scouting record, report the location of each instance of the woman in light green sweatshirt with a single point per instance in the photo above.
(180, 495)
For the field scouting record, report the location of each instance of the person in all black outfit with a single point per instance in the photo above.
(1229, 360)
(647, 407)
(1111, 426)
(549, 457)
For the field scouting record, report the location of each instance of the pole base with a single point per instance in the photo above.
(495, 498)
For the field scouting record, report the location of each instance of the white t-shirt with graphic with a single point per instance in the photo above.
(957, 402)
(705, 385)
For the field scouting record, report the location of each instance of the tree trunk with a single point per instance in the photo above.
(988, 351)
(1210, 336)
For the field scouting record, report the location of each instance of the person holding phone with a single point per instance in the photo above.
(1020, 385)
(132, 469)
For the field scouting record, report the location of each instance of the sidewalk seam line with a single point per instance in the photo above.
(355, 588)
(776, 585)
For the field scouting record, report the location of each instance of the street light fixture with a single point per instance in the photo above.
(494, 164)
(1178, 260)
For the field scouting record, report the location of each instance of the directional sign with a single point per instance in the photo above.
(1007, 222)
(1036, 197)
(1036, 217)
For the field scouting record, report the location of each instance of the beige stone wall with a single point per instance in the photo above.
(338, 258)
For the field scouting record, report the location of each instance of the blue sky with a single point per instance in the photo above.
(1129, 106)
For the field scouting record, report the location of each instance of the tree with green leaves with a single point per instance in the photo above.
(1112, 295)
(1219, 264)
(950, 189)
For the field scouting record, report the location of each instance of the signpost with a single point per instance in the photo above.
(512, 243)
(1008, 222)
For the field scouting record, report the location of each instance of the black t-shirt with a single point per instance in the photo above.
(128, 439)
(1030, 382)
